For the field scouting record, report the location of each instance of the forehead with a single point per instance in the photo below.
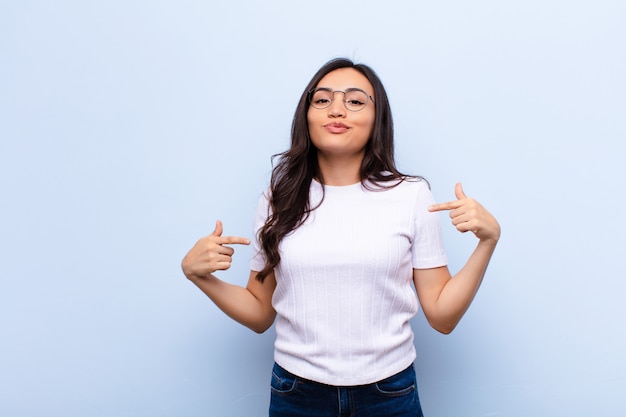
(343, 78)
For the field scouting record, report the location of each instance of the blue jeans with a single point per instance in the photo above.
(293, 396)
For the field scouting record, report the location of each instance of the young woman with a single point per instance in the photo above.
(343, 243)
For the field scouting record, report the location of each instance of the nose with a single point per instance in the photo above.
(337, 108)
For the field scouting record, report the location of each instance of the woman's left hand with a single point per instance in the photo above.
(468, 214)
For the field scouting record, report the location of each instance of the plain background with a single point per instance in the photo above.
(128, 127)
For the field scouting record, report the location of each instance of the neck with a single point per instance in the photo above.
(339, 171)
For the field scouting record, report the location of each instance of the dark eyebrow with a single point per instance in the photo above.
(347, 89)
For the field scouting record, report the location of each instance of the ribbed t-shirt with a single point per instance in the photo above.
(344, 286)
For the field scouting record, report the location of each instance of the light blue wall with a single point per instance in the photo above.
(128, 127)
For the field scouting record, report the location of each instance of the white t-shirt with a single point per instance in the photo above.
(344, 291)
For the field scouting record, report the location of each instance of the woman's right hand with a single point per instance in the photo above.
(209, 254)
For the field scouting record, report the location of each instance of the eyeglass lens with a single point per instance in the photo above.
(353, 99)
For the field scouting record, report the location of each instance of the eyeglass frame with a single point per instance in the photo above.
(347, 90)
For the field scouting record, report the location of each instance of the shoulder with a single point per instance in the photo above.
(263, 207)
(405, 184)
(415, 183)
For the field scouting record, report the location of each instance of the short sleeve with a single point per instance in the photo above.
(427, 249)
(257, 262)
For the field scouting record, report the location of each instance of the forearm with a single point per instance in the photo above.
(458, 292)
(445, 299)
(239, 303)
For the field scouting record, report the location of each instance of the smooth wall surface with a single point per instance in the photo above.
(128, 127)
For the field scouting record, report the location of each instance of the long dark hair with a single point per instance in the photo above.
(291, 177)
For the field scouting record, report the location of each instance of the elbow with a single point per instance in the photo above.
(259, 329)
(444, 327)
(261, 326)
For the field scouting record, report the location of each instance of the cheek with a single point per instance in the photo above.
(309, 117)
(312, 124)
(368, 125)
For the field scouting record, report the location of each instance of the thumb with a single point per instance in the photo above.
(458, 191)
(218, 228)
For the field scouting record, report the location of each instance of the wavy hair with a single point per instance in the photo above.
(289, 204)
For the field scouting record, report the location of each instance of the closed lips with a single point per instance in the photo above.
(336, 127)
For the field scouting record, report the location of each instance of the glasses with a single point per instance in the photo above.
(354, 99)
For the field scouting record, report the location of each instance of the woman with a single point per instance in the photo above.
(342, 238)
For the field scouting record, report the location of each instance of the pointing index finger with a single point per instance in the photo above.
(450, 205)
(234, 240)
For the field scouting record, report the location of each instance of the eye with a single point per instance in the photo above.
(355, 99)
(321, 98)
(355, 102)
